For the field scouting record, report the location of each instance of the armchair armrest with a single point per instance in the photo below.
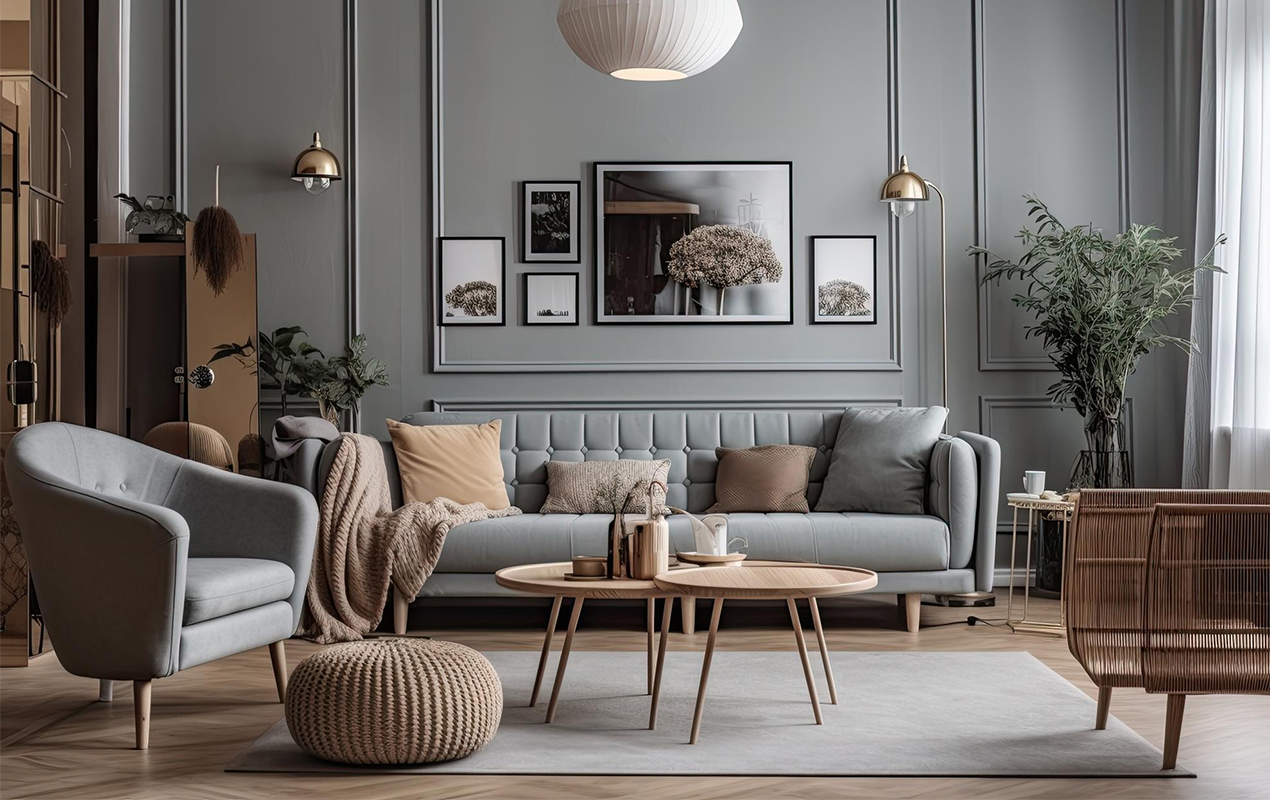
(235, 516)
(988, 459)
(111, 577)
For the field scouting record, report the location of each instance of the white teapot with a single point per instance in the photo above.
(710, 533)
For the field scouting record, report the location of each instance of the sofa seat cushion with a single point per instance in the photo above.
(880, 542)
(218, 587)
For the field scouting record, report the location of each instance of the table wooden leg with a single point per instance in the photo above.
(667, 605)
(564, 659)
(546, 649)
(802, 653)
(652, 611)
(824, 650)
(705, 670)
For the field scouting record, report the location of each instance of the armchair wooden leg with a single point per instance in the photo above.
(688, 614)
(278, 654)
(1173, 729)
(400, 612)
(1104, 706)
(141, 711)
(913, 611)
(105, 690)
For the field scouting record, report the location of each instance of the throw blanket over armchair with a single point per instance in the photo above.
(1169, 590)
(148, 564)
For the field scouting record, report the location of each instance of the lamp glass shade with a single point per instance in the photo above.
(315, 162)
(650, 40)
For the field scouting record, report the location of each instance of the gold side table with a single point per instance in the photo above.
(1035, 507)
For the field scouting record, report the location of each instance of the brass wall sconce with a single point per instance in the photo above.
(316, 167)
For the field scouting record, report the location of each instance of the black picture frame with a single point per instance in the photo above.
(814, 281)
(598, 169)
(441, 283)
(527, 253)
(532, 317)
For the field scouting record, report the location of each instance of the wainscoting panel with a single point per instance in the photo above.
(1039, 65)
(660, 404)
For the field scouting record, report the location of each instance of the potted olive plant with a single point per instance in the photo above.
(1100, 305)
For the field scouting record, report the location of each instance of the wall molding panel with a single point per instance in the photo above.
(988, 360)
(646, 404)
(443, 361)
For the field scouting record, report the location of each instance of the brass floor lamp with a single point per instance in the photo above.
(903, 190)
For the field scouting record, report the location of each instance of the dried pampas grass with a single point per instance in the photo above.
(218, 246)
(50, 282)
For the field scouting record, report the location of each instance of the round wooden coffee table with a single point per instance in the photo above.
(549, 579)
(760, 582)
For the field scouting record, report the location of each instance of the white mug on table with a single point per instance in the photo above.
(1034, 482)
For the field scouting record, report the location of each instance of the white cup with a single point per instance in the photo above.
(1034, 482)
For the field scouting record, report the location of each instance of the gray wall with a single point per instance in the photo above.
(989, 100)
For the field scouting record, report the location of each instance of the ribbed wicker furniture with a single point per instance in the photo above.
(1169, 590)
(394, 701)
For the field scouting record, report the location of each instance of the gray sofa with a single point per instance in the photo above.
(948, 550)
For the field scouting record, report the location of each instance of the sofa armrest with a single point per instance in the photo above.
(110, 572)
(953, 496)
(235, 516)
(988, 460)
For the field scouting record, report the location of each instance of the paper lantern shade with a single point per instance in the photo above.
(650, 40)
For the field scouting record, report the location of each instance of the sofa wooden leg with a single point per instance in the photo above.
(400, 612)
(1104, 706)
(688, 614)
(913, 611)
(141, 711)
(278, 655)
(105, 690)
(1173, 729)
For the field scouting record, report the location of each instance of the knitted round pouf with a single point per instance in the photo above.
(394, 701)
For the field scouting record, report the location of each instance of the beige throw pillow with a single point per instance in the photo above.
(593, 487)
(458, 462)
(761, 480)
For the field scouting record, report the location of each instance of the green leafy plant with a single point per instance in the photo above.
(342, 380)
(1099, 305)
(290, 365)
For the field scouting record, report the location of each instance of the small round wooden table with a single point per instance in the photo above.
(549, 579)
(760, 583)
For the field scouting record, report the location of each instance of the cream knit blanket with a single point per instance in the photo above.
(363, 546)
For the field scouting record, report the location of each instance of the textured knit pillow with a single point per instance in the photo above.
(458, 462)
(881, 460)
(763, 479)
(593, 487)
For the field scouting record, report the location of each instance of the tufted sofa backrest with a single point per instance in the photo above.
(686, 438)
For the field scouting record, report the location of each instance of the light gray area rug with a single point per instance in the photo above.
(898, 714)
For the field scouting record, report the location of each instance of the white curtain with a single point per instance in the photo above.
(1228, 395)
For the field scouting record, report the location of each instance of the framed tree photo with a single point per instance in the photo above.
(694, 243)
(471, 280)
(551, 298)
(550, 222)
(844, 278)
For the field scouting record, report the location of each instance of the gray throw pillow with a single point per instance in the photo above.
(881, 460)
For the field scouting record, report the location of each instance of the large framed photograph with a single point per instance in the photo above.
(844, 280)
(550, 216)
(551, 298)
(471, 280)
(694, 242)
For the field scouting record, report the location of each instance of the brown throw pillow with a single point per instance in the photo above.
(763, 479)
(458, 462)
(592, 487)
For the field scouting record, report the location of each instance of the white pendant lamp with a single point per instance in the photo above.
(650, 40)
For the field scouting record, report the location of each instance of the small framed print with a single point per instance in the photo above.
(844, 278)
(551, 298)
(550, 230)
(471, 280)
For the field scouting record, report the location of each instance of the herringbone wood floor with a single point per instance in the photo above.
(57, 742)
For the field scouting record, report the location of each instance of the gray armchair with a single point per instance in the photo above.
(148, 564)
